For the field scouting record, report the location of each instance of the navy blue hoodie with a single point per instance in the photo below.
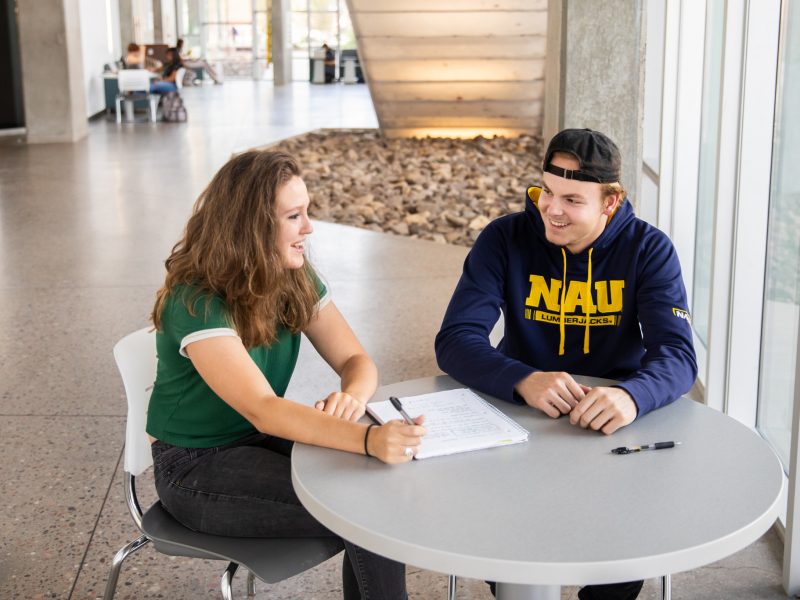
(638, 329)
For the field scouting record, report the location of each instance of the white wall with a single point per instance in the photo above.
(169, 22)
(100, 44)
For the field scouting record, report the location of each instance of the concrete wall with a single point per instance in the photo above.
(282, 41)
(143, 22)
(597, 79)
(437, 67)
(52, 70)
(100, 43)
(126, 32)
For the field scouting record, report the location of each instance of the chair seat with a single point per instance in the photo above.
(134, 94)
(270, 559)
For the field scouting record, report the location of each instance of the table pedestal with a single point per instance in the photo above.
(512, 591)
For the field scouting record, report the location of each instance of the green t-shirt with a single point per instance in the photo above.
(183, 410)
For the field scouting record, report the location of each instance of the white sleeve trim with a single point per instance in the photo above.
(204, 334)
(324, 300)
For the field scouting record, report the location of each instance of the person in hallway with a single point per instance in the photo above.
(197, 63)
(330, 63)
(167, 82)
(134, 58)
(585, 288)
(238, 293)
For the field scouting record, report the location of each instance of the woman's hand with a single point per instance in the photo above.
(395, 442)
(342, 405)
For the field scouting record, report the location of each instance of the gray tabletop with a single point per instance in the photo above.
(559, 509)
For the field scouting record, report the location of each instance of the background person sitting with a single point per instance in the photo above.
(197, 63)
(134, 58)
(137, 58)
(166, 83)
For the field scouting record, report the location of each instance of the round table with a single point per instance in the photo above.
(560, 509)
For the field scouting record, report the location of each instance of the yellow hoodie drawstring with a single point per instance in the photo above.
(588, 307)
(587, 304)
(563, 292)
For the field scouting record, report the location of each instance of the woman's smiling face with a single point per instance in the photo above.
(291, 215)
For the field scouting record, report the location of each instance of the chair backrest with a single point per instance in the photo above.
(179, 75)
(135, 355)
(134, 80)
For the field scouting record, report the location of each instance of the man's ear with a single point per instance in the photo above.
(611, 204)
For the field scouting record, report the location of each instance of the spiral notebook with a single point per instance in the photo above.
(457, 421)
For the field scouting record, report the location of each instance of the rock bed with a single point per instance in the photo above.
(444, 190)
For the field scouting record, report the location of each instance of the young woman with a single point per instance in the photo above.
(237, 295)
(134, 59)
(166, 83)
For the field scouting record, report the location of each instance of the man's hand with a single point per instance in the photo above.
(343, 405)
(553, 393)
(604, 409)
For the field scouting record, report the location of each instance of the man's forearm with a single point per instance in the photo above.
(469, 358)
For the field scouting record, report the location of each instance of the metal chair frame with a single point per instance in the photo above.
(270, 559)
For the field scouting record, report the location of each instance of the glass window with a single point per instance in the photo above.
(782, 289)
(653, 84)
(707, 176)
(347, 37)
(317, 22)
(323, 30)
(190, 27)
(324, 5)
(300, 31)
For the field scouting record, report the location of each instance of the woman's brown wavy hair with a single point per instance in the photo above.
(228, 249)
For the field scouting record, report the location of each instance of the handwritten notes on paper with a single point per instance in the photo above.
(457, 421)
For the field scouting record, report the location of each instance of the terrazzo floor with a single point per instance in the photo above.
(84, 229)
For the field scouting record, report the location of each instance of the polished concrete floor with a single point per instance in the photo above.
(84, 230)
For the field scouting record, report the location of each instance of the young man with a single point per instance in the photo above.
(586, 288)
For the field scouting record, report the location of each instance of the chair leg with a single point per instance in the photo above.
(154, 108)
(226, 584)
(130, 109)
(251, 585)
(666, 587)
(451, 587)
(119, 109)
(116, 565)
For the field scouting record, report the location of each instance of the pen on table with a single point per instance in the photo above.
(399, 407)
(656, 446)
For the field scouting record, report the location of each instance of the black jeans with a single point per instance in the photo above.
(244, 489)
(612, 591)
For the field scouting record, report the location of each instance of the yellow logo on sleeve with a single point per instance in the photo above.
(682, 314)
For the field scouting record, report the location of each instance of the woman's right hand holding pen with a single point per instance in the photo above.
(396, 442)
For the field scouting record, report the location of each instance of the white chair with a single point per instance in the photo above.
(134, 84)
(270, 560)
(349, 71)
(179, 75)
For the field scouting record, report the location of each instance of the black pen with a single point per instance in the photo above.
(656, 446)
(396, 403)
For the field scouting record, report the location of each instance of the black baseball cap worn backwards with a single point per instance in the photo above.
(598, 157)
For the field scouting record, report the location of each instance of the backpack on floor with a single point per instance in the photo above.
(173, 108)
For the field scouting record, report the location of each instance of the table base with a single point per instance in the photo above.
(512, 591)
